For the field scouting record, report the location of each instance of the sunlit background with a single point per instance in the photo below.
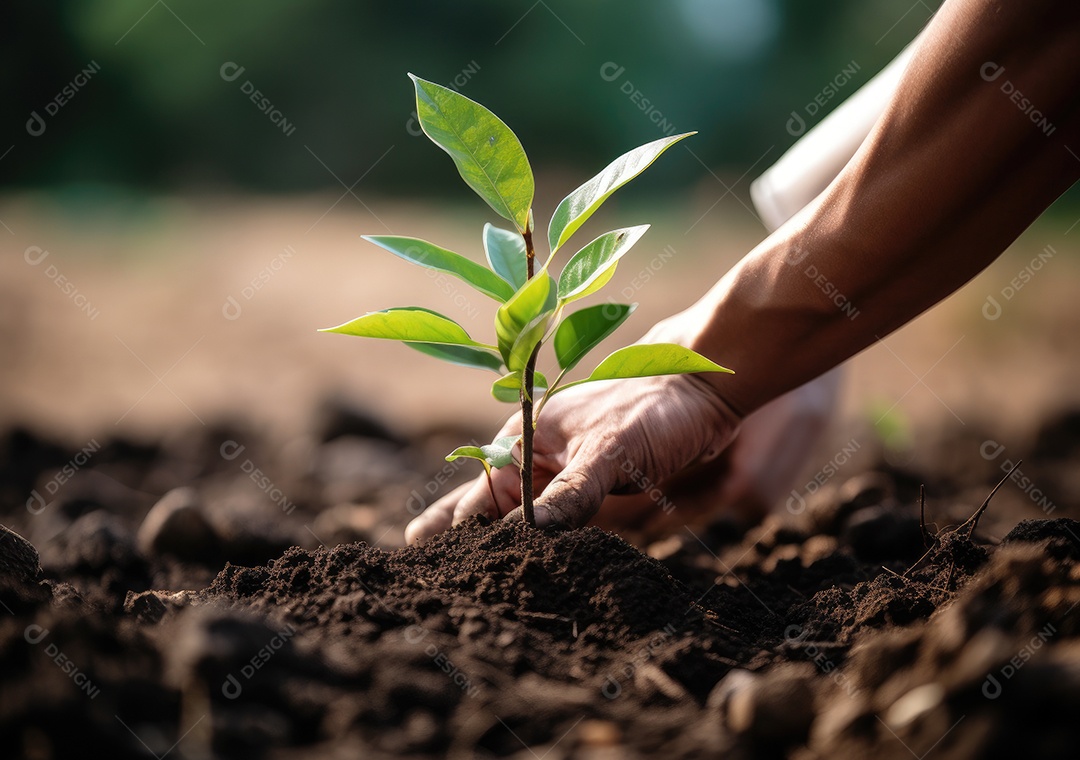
(183, 187)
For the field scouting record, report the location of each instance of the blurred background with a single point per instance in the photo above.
(183, 186)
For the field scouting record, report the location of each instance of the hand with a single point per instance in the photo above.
(621, 436)
(628, 436)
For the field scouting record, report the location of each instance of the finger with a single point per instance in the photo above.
(479, 499)
(436, 518)
(575, 494)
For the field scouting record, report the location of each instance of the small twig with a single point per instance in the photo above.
(922, 516)
(974, 519)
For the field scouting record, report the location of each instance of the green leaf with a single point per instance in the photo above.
(590, 268)
(470, 452)
(487, 153)
(531, 300)
(527, 340)
(580, 332)
(461, 355)
(506, 254)
(498, 453)
(577, 207)
(508, 387)
(433, 257)
(647, 360)
(410, 324)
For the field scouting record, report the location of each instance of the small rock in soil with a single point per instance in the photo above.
(176, 526)
(884, 532)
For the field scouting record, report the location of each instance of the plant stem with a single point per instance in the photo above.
(527, 426)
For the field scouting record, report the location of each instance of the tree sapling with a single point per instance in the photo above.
(532, 302)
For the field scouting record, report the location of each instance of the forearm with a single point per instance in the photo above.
(951, 175)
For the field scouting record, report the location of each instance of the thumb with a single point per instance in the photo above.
(576, 493)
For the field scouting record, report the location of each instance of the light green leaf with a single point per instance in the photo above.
(506, 254)
(590, 268)
(410, 324)
(470, 452)
(487, 153)
(433, 257)
(647, 360)
(577, 207)
(527, 340)
(508, 387)
(499, 452)
(464, 356)
(580, 332)
(531, 300)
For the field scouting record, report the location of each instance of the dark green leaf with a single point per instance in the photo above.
(508, 387)
(532, 300)
(487, 153)
(433, 257)
(580, 332)
(577, 207)
(464, 356)
(590, 268)
(506, 254)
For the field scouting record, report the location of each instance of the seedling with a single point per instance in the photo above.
(532, 302)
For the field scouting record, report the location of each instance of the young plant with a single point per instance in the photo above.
(532, 302)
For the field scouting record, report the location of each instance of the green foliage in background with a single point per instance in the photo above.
(160, 115)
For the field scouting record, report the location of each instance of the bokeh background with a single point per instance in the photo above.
(171, 245)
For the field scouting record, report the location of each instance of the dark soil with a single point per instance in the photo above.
(190, 623)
